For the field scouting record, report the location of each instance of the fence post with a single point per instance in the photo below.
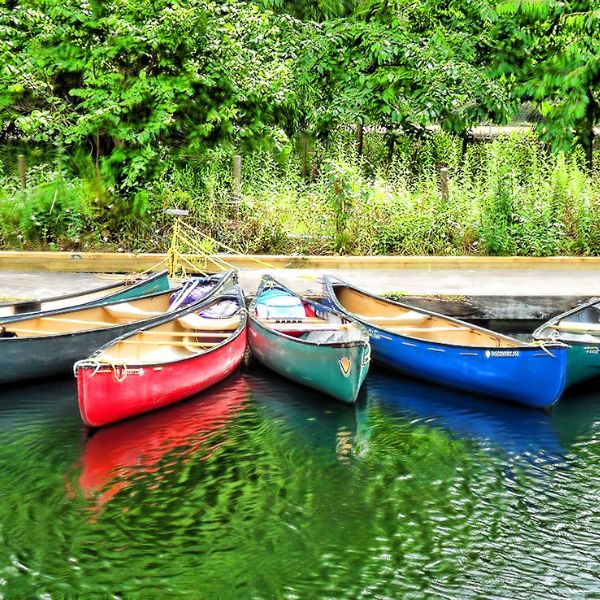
(359, 140)
(306, 166)
(237, 177)
(22, 163)
(444, 187)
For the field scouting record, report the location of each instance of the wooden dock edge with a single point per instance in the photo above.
(108, 262)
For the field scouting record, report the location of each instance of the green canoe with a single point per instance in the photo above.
(49, 343)
(579, 328)
(122, 290)
(308, 342)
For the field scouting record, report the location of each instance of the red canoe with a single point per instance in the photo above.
(158, 365)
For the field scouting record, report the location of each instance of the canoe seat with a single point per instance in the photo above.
(330, 337)
(576, 326)
(193, 321)
(126, 310)
(306, 327)
(401, 328)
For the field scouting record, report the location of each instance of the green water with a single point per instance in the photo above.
(262, 489)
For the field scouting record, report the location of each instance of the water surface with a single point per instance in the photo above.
(264, 489)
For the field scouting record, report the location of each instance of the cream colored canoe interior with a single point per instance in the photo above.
(175, 340)
(412, 323)
(59, 303)
(95, 317)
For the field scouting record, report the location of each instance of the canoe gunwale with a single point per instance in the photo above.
(543, 332)
(226, 280)
(110, 286)
(89, 363)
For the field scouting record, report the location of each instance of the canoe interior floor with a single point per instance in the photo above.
(414, 324)
(95, 317)
(171, 341)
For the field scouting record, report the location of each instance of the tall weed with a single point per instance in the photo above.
(506, 197)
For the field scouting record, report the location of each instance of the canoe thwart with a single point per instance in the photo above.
(307, 326)
(407, 318)
(425, 329)
(167, 343)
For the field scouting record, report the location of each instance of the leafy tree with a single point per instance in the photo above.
(134, 79)
(401, 64)
(312, 10)
(559, 68)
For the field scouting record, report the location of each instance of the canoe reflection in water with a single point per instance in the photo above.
(310, 420)
(115, 454)
(498, 426)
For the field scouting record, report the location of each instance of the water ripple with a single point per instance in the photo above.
(263, 489)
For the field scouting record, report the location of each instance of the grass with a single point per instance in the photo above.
(507, 198)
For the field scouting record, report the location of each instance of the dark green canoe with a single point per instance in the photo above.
(49, 343)
(579, 328)
(122, 290)
(308, 342)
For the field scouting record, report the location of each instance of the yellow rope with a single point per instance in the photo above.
(100, 362)
(186, 236)
(173, 250)
(130, 277)
(190, 230)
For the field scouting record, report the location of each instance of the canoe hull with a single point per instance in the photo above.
(583, 362)
(107, 395)
(579, 329)
(527, 375)
(316, 366)
(39, 357)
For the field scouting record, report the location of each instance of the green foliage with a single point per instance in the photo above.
(400, 64)
(507, 197)
(137, 80)
(54, 214)
(345, 190)
(558, 68)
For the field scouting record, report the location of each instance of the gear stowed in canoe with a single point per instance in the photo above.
(308, 342)
(451, 352)
(160, 364)
(48, 343)
(579, 328)
(123, 290)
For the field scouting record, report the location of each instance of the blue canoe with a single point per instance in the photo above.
(451, 352)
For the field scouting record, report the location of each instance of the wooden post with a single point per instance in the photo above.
(359, 140)
(237, 176)
(444, 188)
(465, 143)
(305, 155)
(22, 163)
(391, 141)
